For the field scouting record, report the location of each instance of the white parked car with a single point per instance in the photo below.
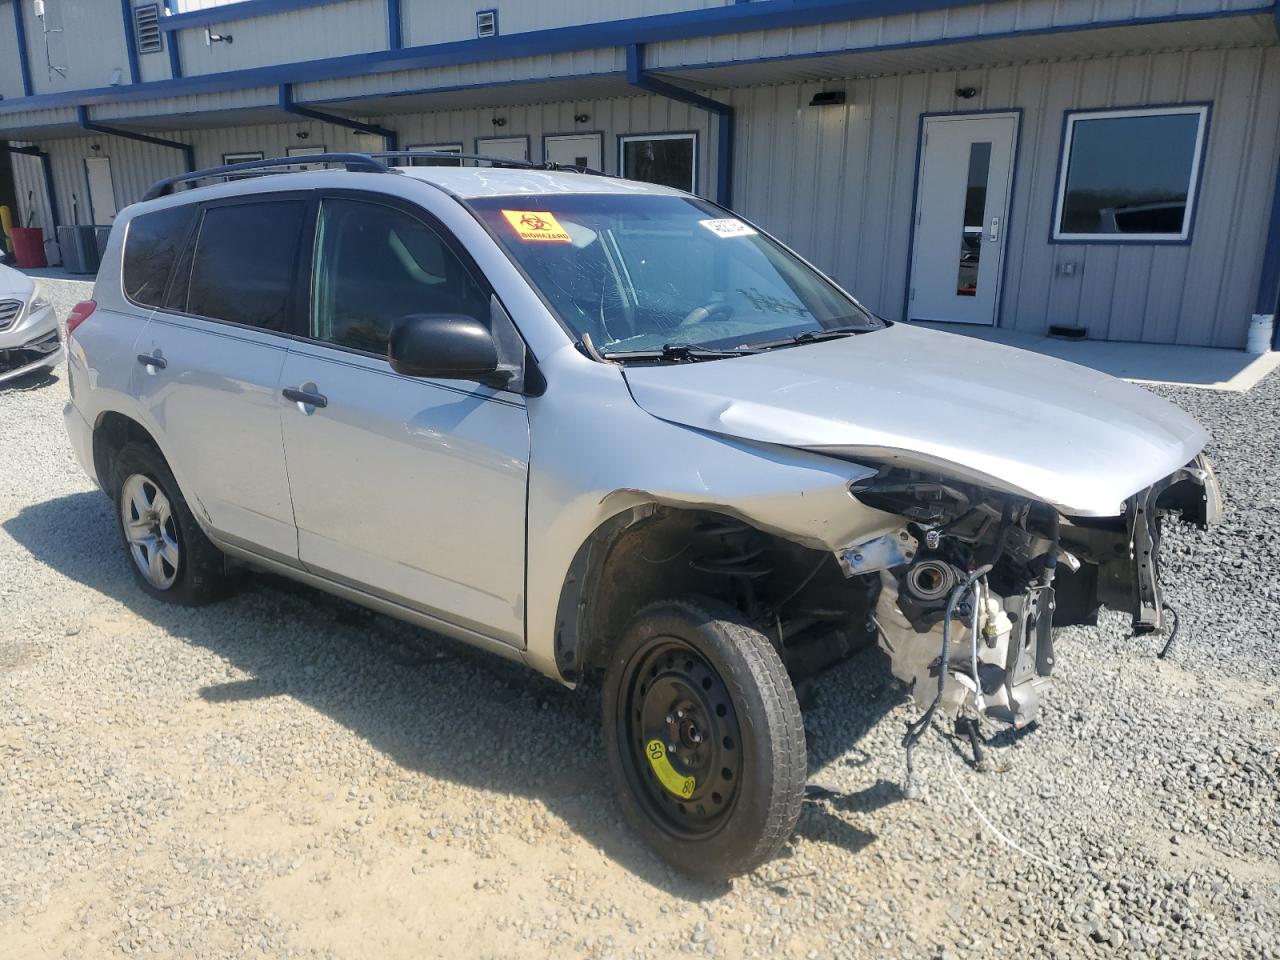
(28, 327)
(613, 431)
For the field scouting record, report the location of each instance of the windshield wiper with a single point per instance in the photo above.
(813, 336)
(680, 353)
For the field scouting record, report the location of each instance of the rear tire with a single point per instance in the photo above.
(169, 554)
(704, 738)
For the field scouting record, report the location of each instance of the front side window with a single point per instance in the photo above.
(643, 273)
(669, 159)
(243, 265)
(375, 265)
(151, 247)
(1130, 175)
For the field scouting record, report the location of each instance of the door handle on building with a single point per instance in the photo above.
(993, 232)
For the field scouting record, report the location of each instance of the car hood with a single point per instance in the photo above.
(1007, 418)
(15, 284)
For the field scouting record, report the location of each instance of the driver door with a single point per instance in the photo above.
(409, 489)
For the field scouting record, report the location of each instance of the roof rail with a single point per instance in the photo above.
(482, 158)
(356, 162)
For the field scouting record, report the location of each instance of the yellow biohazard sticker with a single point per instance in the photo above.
(680, 786)
(537, 225)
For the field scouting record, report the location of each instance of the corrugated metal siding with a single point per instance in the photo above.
(207, 103)
(28, 182)
(310, 34)
(609, 60)
(612, 117)
(929, 27)
(854, 220)
(433, 21)
(10, 69)
(90, 46)
(135, 166)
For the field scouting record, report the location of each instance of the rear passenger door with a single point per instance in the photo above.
(407, 488)
(210, 360)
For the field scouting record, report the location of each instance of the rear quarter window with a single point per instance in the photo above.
(244, 264)
(151, 247)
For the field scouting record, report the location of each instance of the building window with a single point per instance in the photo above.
(670, 159)
(1130, 176)
(435, 148)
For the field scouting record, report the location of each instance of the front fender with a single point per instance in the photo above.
(595, 454)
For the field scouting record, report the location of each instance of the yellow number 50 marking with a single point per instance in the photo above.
(681, 786)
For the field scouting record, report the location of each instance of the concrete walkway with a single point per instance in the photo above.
(1207, 367)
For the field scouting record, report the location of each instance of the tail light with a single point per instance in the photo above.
(79, 314)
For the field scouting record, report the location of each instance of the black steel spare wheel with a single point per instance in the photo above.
(704, 737)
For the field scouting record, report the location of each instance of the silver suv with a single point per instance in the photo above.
(613, 431)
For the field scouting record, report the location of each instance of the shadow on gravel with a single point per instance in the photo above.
(431, 704)
(36, 380)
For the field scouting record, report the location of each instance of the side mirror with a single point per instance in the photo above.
(443, 345)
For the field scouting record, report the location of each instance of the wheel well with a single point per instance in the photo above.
(112, 431)
(653, 552)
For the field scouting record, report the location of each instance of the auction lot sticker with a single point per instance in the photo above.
(537, 225)
(730, 227)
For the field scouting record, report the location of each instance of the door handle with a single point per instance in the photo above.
(148, 360)
(306, 397)
(993, 234)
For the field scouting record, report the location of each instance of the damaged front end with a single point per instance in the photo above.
(973, 581)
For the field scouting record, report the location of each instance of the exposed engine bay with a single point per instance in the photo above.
(973, 581)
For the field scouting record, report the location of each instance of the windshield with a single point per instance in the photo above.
(639, 274)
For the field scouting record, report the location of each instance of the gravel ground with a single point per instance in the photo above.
(285, 774)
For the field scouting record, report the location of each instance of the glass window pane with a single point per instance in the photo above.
(375, 265)
(1130, 175)
(667, 161)
(642, 272)
(243, 266)
(151, 247)
(975, 212)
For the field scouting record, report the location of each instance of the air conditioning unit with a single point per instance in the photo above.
(486, 23)
(146, 28)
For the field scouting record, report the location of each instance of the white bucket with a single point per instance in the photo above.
(1260, 333)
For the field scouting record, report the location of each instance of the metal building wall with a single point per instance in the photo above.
(10, 69)
(837, 184)
(90, 46)
(984, 20)
(440, 21)
(331, 30)
(602, 61)
(135, 166)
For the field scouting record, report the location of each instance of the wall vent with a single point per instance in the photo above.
(486, 23)
(146, 28)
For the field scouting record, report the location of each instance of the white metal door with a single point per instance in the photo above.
(102, 192)
(578, 150)
(962, 211)
(508, 148)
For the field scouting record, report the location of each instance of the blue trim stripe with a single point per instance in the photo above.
(188, 152)
(243, 10)
(395, 25)
(24, 62)
(711, 21)
(637, 77)
(288, 106)
(130, 40)
(171, 42)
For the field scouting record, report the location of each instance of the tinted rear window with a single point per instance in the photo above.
(243, 268)
(150, 249)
